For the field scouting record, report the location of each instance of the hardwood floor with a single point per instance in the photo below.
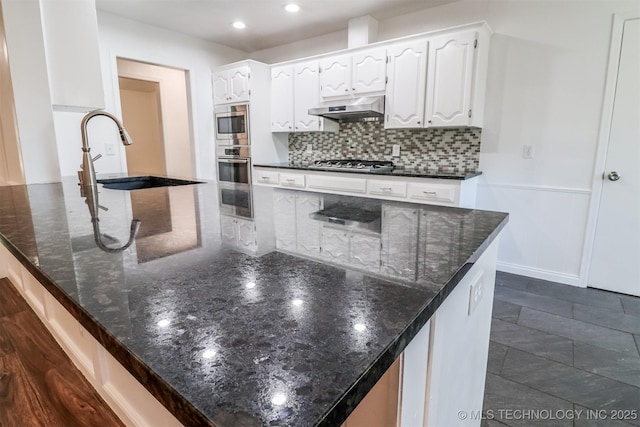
(39, 385)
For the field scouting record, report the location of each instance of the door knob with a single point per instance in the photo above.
(613, 176)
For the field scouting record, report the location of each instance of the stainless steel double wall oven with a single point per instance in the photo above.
(233, 155)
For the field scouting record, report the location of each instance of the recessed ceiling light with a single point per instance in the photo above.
(239, 25)
(292, 8)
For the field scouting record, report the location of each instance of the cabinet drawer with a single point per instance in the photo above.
(347, 185)
(266, 177)
(432, 192)
(292, 180)
(387, 188)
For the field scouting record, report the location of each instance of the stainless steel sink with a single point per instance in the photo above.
(142, 182)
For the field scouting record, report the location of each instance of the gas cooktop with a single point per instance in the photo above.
(353, 165)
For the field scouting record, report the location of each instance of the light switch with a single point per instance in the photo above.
(395, 152)
(475, 293)
(309, 148)
(109, 149)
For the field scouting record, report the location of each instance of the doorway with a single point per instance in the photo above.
(155, 111)
(616, 245)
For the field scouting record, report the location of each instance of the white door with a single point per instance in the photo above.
(220, 87)
(307, 95)
(369, 71)
(449, 79)
(404, 97)
(615, 263)
(282, 99)
(239, 84)
(336, 76)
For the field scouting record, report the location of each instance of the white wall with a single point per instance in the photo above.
(25, 46)
(120, 37)
(10, 157)
(546, 81)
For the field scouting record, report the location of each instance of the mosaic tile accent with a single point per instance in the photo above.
(453, 149)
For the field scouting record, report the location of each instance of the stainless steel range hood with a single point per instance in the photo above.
(351, 109)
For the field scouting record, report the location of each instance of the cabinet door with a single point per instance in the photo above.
(246, 232)
(365, 252)
(335, 245)
(449, 79)
(308, 229)
(239, 84)
(228, 230)
(220, 87)
(284, 217)
(369, 70)
(406, 88)
(307, 95)
(282, 99)
(399, 237)
(335, 79)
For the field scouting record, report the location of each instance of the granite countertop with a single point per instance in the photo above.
(397, 171)
(223, 337)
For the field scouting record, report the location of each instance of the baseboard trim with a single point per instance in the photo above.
(540, 273)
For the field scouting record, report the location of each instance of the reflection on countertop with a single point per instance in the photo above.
(275, 325)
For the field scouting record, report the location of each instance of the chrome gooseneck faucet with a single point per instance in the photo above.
(87, 174)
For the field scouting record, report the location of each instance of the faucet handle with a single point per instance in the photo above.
(96, 157)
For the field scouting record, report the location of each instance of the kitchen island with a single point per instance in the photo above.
(224, 337)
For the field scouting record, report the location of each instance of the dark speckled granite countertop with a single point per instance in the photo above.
(397, 171)
(223, 337)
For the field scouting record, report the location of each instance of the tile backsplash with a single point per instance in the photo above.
(450, 150)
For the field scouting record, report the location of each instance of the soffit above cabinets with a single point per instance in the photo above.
(268, 24)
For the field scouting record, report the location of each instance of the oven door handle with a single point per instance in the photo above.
(245, 161)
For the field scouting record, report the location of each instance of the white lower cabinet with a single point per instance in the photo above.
(238, 232)
(334, 245)
(284, 203)
(431, 191)
(365, 251)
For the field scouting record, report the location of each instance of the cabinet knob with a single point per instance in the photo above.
(346, 89)
(418, 121)
(353, 88)
(289, 127)
(429, 121)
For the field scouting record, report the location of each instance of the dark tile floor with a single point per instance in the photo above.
(562, 356)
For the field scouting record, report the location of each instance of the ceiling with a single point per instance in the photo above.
(268, 24)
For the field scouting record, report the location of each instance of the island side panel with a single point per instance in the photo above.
(459, 347)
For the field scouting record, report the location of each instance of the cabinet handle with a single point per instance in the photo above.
(266, 178)
(385, 188)
(430, 193)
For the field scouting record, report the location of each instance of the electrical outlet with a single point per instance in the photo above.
(527, 151)
(109, 149)
(475, 293)
(309, 148)
(395, 152)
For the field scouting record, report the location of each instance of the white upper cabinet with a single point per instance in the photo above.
(307, 82)
(369, 71)
(450, 79)
(363, 72)
(405, 94)
(294, 90)
(282, 99)
(230, 86)
(336, 76)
